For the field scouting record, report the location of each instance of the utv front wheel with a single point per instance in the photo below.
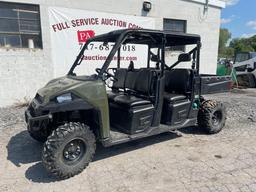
(68, 150)
(211, 116)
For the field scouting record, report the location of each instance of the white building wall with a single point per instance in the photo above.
(23, 71)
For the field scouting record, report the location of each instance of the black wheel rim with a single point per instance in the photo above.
(216, 118)
(74, 151)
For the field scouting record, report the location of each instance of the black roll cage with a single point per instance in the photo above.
(158, 39)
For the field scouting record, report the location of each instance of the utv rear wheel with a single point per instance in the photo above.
(211, 116)
(68, 150)
(38, 136)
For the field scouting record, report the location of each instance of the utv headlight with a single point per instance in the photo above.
(67, 97)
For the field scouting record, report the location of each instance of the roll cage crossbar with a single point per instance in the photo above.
(195, 62)
(152, 38)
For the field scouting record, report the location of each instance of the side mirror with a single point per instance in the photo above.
(184, 57)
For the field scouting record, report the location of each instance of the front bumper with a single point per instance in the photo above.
(36, 122)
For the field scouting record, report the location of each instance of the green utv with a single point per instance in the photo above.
(71, 113)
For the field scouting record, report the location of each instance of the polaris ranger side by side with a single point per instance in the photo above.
(71, 113)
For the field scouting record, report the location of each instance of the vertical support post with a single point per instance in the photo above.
(198, 56)
(194, 60)
(159, 58)
(198, 65)
(148, 64)
(163, 55)
(118, 57)
(160, 87)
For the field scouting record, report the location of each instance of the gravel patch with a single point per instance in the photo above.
(10, 116)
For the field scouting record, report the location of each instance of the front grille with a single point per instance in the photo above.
(31, 110)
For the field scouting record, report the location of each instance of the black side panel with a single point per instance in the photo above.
(117, 137)
(215, 84)
(175, 113)
(131, 120)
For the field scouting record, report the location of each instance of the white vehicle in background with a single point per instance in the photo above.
(245, 66)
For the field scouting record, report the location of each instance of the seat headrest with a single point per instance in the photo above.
(131, 66)
(178, 81)
(120, 75)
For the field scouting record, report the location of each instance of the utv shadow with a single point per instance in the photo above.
(193, 130)
(102, 152)
(19, 153)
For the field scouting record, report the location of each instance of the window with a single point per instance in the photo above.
(176, 26)
(20, 25)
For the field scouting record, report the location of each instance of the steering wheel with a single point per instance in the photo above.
(106, 75)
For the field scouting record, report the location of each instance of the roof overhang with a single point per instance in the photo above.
(150, 37)
(215, 3)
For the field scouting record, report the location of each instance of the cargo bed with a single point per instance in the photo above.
(210, 84)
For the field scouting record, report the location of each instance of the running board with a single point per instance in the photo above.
(117, 137)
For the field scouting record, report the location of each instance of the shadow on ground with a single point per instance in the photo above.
(22, 149)
(102, 152)
(38, 174)
(193, 131)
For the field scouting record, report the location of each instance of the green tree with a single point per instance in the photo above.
(235, 45)
(224, 37)
(253, 42)
(229, 52)
(243, 44)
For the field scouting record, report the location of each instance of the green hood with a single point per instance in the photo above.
(62, 85)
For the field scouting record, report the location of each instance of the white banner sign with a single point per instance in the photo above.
(70, 28)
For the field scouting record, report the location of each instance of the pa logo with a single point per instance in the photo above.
(83, 36)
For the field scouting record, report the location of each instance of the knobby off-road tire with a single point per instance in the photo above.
(212, 116)
(69, 150)
(38, 135)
